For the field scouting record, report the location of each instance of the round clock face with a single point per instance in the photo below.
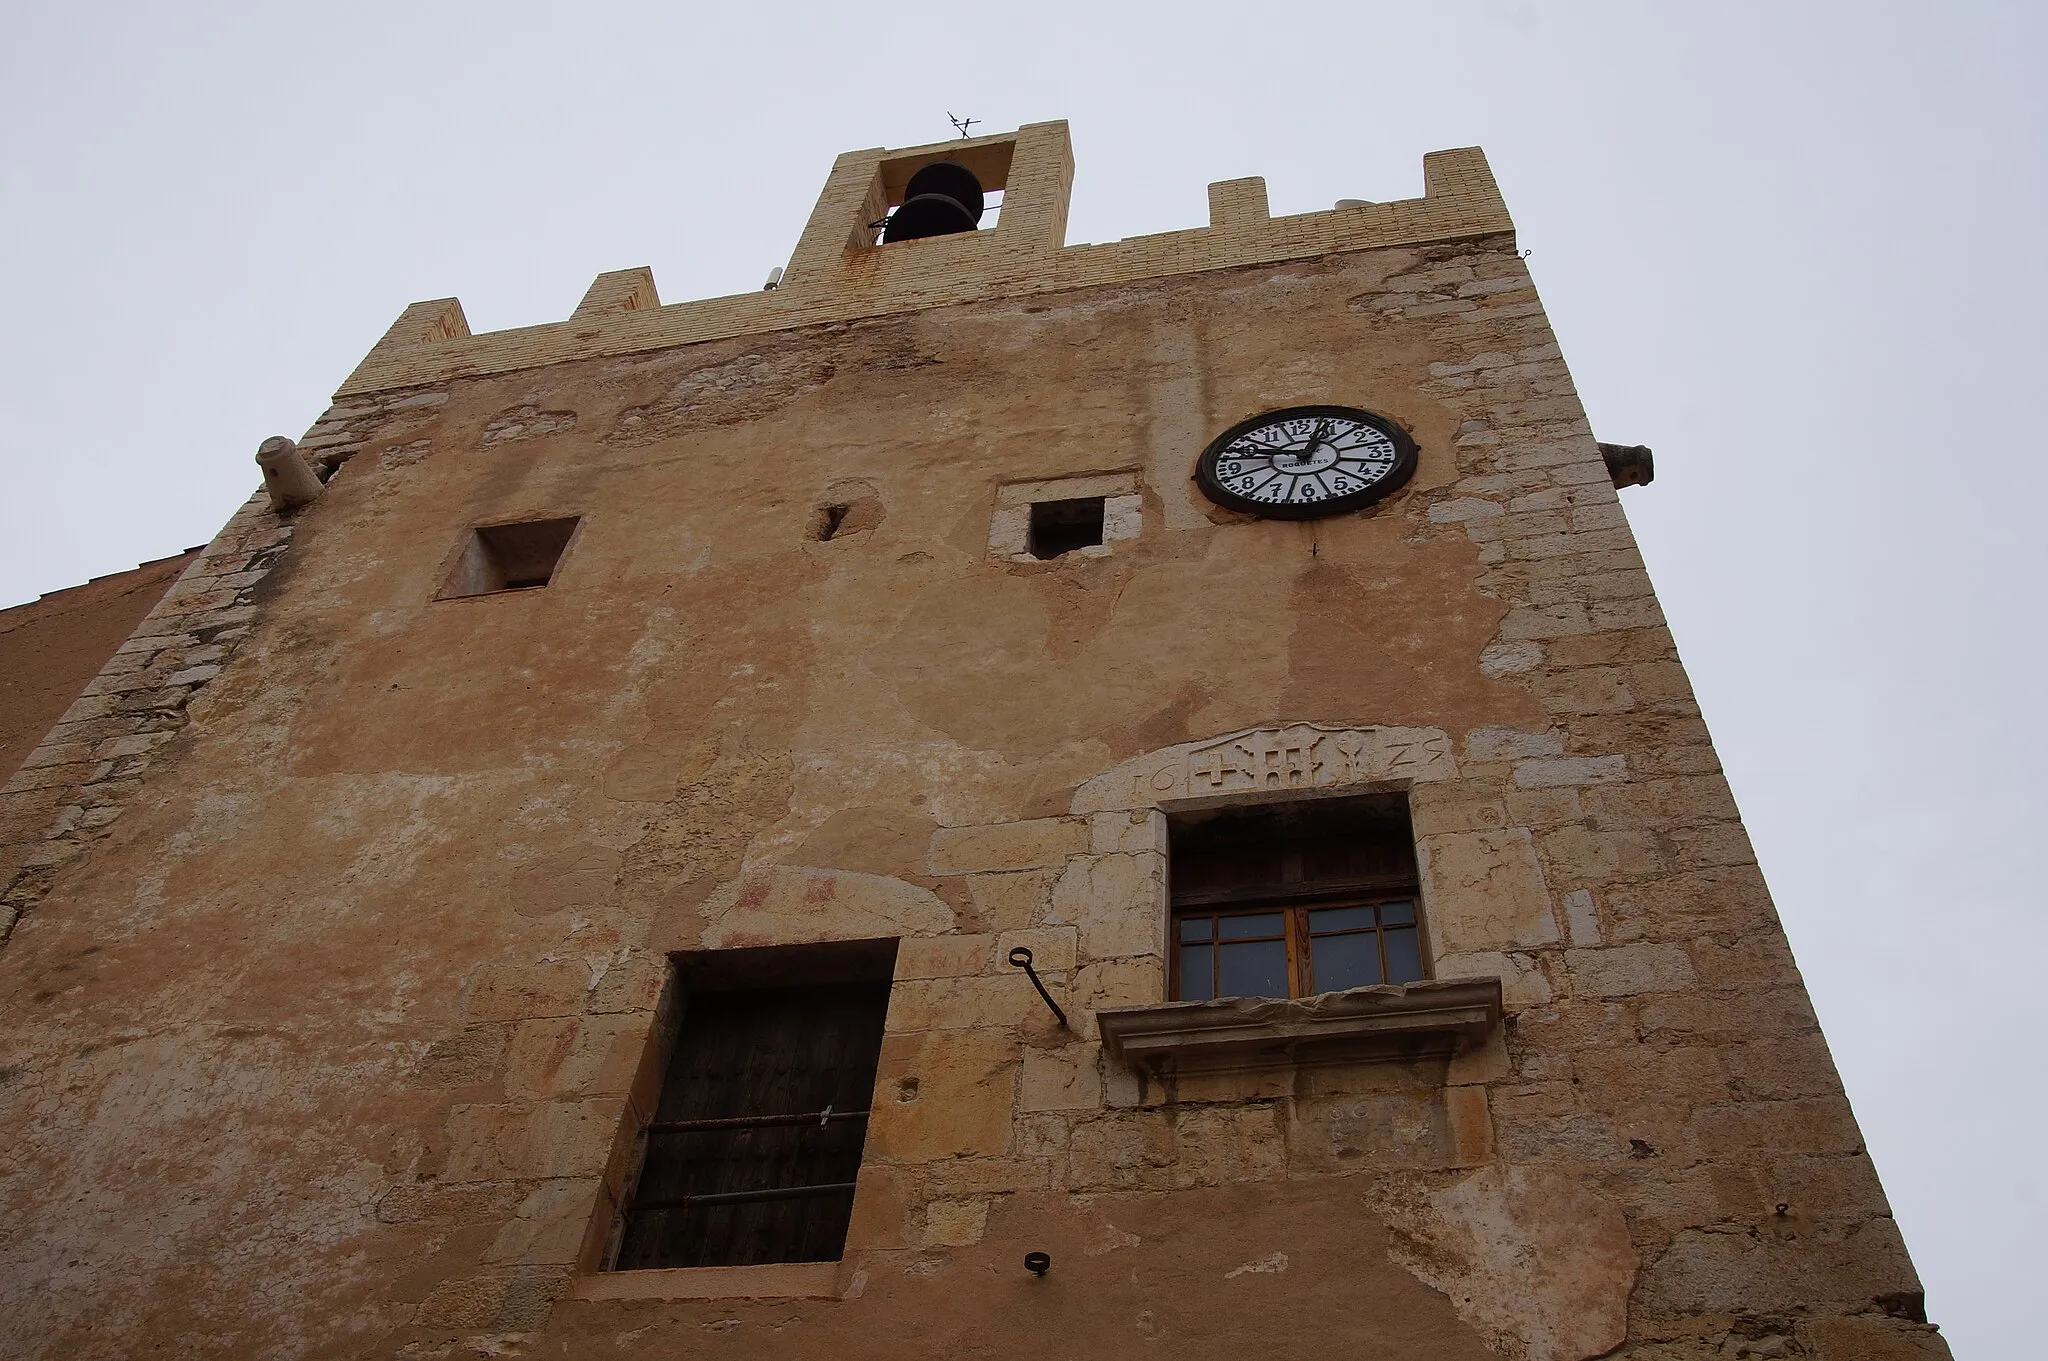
(1306, 462)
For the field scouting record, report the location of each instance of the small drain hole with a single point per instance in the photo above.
(826, 522)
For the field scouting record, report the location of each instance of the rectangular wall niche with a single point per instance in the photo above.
(1088, 515)
(515, 557)
(762, 1113)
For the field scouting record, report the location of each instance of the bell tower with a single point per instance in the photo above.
(996, 797)
(1033, 168)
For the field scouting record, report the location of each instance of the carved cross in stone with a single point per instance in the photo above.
(1213, 765)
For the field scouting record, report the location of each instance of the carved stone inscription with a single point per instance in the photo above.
(1293, 756)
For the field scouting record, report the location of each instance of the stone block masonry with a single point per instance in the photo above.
(50, 647)
(74, 786)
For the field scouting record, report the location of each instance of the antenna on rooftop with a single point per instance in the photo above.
(962, 124)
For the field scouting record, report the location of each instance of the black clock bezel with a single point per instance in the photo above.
(1404, 466)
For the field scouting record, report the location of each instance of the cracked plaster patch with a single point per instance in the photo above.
(1538, 1264)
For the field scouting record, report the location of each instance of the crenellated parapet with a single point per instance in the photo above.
(839, 272)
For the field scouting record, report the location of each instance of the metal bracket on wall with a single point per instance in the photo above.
(1020, 958)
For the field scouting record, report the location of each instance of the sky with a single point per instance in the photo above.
(1791, 246)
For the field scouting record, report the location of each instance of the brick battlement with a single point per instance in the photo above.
(837, 273)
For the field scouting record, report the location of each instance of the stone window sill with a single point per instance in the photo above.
(773, 1281)
(1392, 1022)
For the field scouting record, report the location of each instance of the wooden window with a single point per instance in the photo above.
(1295, 900)
(755, 1144)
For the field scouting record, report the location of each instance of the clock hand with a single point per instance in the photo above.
(1308, 451)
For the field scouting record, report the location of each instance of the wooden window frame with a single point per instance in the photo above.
(1296, 934)
(1295, 859)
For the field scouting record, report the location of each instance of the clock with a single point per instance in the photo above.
(1306, 462)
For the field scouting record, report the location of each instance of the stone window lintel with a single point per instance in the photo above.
(1357, 1022)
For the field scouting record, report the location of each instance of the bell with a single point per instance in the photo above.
(941, 198)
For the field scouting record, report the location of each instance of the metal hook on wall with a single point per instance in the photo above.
(1020, 958)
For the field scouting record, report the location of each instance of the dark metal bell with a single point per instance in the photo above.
(942, 198)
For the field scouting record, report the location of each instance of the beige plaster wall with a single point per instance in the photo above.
(324, 1048)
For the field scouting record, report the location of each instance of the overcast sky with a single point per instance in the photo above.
(1795, 247)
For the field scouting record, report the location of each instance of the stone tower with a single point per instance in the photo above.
(556, 876)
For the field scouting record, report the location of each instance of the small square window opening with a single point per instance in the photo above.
(1059, 527)
(1044, 519)
(1295, 900)
(515, 557)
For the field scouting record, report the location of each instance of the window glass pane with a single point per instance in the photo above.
(1404, 955)
(1397, 914)
(1255, 969)
(1194, 928)
(1346, 961)
(1339, 919)
(1196, 985)
(1253, 924)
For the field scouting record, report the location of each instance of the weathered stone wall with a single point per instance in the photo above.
(77, 780)
(324, 1050)
(50, 647)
